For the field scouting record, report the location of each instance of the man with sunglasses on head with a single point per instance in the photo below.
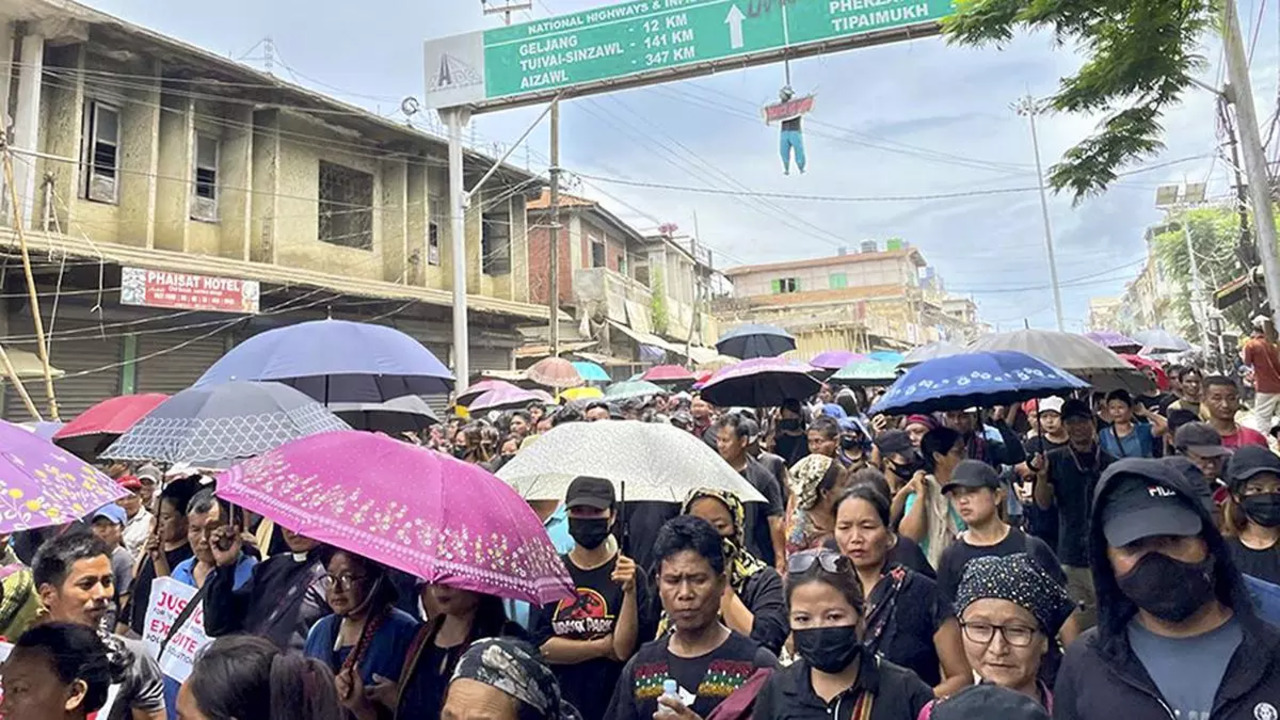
(706, 659)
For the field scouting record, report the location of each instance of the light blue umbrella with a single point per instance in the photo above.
(336, 361)
(886, 356)
(632, 389)
(591, 372)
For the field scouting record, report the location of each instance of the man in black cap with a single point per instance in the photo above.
(896, 457)
(588, 639)
(1202, 445)
(1177, 634)
(1065, 479)
(976, 493)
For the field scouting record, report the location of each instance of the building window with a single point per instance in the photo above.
(838, 281)
(495, 244)
(786, 285)
(346, 206)
(597, 253)
(433, 242)
(204, 197)
(101, 152)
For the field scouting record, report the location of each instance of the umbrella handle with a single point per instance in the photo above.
(622, 514)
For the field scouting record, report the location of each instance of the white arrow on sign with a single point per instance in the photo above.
(734, 21)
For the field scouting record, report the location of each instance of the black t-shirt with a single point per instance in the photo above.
(592, 614)
(1156, 402)
(777, 467)
(643, 521)
(897, 694)
(1261, 564)
(958, 554)
(907, 553)
(759, 538)
(915, 614)
(763, 595)
(709, 678)
(1074, 477)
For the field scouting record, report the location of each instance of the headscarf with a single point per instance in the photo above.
(806, 475)
(1020, 580)
(518, 670)
(742, 564)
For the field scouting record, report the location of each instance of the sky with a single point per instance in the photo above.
(892, 123)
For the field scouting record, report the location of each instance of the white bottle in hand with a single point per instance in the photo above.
(670, 689)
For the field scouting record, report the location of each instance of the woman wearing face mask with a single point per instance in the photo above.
(1253, 477)
(753, 603)
(366, 634)
(1010, 612)
(790, 436)
(816, 482)
(837, 677)
(927, 515)
(906, 620)
(57, 671)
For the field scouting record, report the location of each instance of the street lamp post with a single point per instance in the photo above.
(1029, 108)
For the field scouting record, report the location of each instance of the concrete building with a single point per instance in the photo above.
(136, 151)
(627, 290)
(1104, 313)
(872, 299)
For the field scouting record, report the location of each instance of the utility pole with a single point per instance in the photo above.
(1028, 107)
(456, 118)
(554, 273)
(698, 293)
(505, 10)
(1240, 92)
(1197, 288)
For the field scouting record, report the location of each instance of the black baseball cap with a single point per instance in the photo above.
(1251, 461)
(592, 492)
(1076, 408)
(1142, 503)
(985, 701)
(973, 474)
(1201, 439)
(894, 441)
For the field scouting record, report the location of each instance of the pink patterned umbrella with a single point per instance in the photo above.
(42, 484)
(416, 510)
(554, 372)
(508, 398)
(835, 359)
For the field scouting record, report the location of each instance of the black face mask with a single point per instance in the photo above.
(850, 443)
(589, 533)
(789, 424)
(906, 472)
(1170, 589)
(1263, 509)
(829, 649)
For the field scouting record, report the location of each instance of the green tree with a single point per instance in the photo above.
(1140, 57)
(1215, 235)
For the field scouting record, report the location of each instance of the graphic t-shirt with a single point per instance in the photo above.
(705, 681)
(592, 614)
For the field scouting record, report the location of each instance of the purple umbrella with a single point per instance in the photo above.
(835, 359)
(336, 361)
(512, 398)
(477, 389)
(1115, 341)
(763, 382)
(42, 485)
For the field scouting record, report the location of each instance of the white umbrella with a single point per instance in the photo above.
(652, 462)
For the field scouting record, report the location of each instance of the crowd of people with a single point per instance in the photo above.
(1086, 558)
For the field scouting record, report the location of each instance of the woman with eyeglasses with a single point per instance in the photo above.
(366, 634)
(906, 620)
(837, 677)
(1011, 611)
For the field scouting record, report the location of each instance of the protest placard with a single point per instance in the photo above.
(168, 599)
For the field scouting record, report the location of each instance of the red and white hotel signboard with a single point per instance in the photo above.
(159, 288)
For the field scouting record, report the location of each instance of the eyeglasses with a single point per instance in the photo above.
(345, 581)
(830, 560)
(983, 633)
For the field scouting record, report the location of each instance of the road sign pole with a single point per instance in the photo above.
(456, 118)
(553, 275)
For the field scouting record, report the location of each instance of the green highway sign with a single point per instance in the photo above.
(644, 41)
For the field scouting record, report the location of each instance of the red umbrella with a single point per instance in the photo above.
(554, 372)
(99, 426)
(1144, 364)
(669, 375)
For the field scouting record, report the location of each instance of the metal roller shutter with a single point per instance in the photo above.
(79, 350)
(171, 362)
(439, 403)
(490, 358)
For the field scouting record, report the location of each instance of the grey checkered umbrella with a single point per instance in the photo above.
(216, 425)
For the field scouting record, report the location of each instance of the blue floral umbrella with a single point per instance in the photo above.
(984, 379)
